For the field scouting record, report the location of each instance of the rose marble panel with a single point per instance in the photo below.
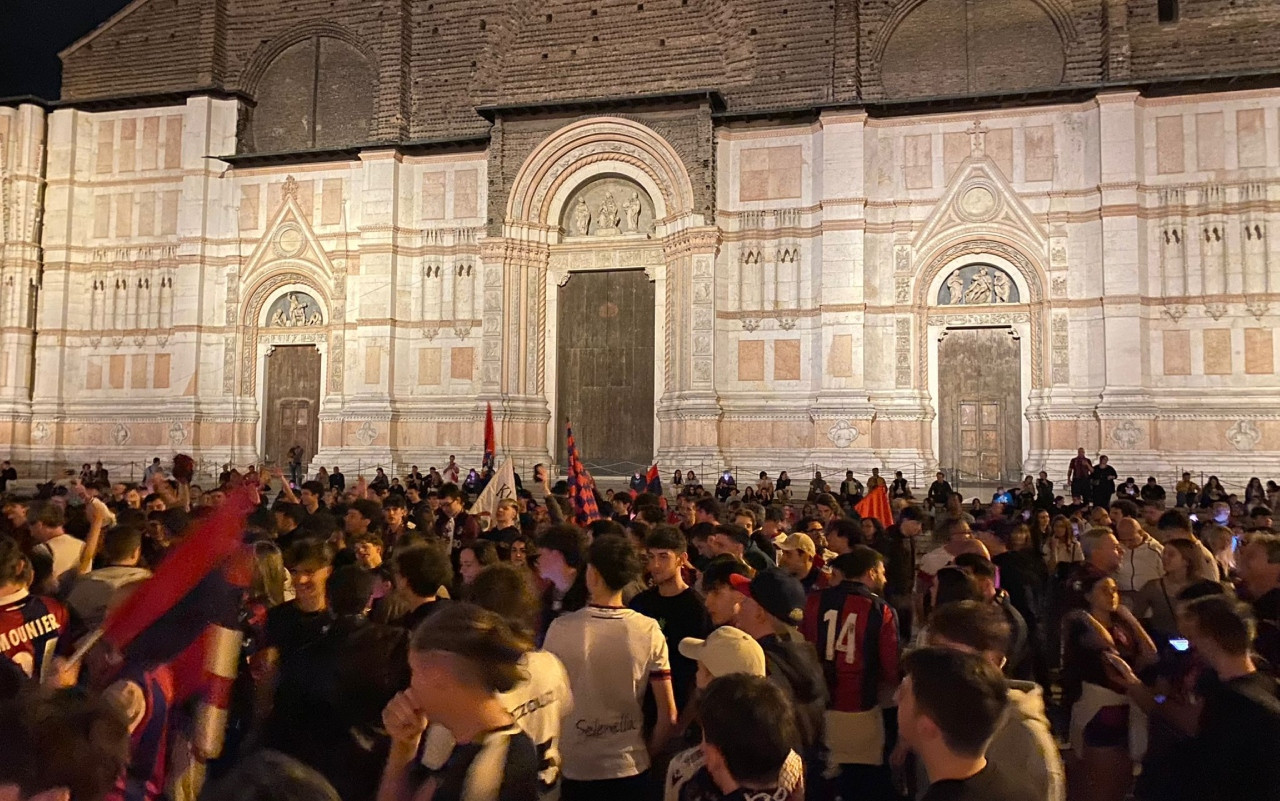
(1209, 136)
(955, 149)
(786, 360)
(462, 363)
(1000, 150)
(1038, 153)
(428, 367)
(1177, 352)
(1259, 355)
(161, 371)
(750, 360)
(840, 356)
(1217, 351)
(770, 173)
(1169, 154)
(1251, 137)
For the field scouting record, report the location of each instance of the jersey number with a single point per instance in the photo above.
(27, 662)
(844, 642)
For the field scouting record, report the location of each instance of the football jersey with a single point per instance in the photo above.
(856, 634)
(611, 655)
(30, 627)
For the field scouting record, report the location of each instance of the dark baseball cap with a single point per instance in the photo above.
(777, 592)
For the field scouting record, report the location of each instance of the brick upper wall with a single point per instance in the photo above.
(1210, 37)
(436, 61)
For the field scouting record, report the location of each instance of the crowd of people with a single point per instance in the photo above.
(395, 643)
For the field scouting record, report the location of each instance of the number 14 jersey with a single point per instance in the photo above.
(856, 634)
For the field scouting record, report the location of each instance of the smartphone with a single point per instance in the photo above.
(1179, 643)
(1194, 518)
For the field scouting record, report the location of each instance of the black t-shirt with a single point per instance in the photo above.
(289, 628)
(679, 616)
(421, 613)
(1238, 740)
(988, 784)
(502, 765)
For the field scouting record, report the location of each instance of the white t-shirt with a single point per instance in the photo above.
(611, 654)
(539, 705)
(65, 550)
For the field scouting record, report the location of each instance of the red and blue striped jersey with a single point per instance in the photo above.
(30, 627)
(856, 634)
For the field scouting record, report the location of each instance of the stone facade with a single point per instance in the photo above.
(812, 226)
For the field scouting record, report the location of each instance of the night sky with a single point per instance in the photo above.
(31, 34)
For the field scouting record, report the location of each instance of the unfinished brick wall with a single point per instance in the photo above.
(435, 61)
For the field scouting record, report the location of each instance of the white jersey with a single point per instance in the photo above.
(611, 654)
(538, 704)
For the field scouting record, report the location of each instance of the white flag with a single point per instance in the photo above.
(502, 485)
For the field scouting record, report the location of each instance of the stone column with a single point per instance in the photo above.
(689, 411)
(22, 177)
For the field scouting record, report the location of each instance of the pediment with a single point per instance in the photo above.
(289, 237)
(979, 198)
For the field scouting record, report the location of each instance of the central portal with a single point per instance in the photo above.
(604, 374)
(292, 403)
(980, 405)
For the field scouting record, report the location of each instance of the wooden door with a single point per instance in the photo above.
(604, 371)
(292, 403)
(980, 405)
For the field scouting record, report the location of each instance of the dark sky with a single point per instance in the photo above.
(31, 34)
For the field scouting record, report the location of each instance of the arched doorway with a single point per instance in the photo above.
(980, 311)
(605, 325)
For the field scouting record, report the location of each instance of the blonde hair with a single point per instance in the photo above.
(269, 575)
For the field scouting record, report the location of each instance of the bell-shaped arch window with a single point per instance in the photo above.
(317, 93)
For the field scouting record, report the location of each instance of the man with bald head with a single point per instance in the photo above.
(1141, 561)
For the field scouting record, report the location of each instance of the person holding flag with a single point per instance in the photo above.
(486, 464)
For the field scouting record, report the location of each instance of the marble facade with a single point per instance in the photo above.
(1126, 242)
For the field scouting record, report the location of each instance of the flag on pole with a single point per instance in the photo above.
(502, 485)
(876, 505)
(653, 481)
(489, 440)
(582, 488)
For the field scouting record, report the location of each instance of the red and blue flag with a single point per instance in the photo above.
(582, 488)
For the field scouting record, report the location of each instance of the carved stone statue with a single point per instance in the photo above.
(607, 216)
(296, 314)
(1000, 287)
(581, 218)
(956, 286)
(631, 214)
(979, 290)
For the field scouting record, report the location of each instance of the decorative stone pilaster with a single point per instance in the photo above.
(513, 348)
(689, 410)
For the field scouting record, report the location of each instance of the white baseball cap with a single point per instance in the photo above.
(726, 650)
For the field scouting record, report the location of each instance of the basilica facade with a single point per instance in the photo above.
(767, 235)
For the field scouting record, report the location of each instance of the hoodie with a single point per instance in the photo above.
(1023, 745)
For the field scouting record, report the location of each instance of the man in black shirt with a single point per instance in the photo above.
(337, 480)
(1239, 734)
(676, 606)
(293, 624)
(949, 706)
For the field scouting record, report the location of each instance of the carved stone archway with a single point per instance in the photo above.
(1025, 319)
(519, 276)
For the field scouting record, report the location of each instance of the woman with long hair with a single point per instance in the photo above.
(1102, 769)
(1254, 493)
(1156, 601)
(1038, 526)
(1062, 550)
(783, 487)
(1212, 492)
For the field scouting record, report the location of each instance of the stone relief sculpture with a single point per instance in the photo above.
(955, 285)
(607, 216)
(631, 213)
(979, 290)
(581, 218)
(978, 285)
(293, 312)
(1000, 287)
